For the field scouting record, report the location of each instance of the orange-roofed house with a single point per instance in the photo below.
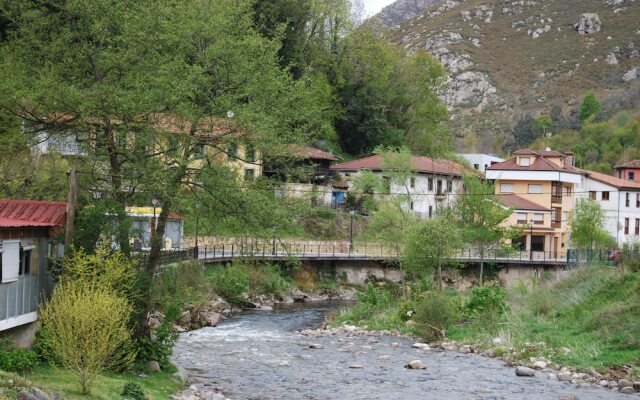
(539, 186)
(629, 171)
(434, 183)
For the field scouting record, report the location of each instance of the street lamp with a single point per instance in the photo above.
(352, 213)
(155, 201)
(196, 250)
(273, 240)
(531, 239)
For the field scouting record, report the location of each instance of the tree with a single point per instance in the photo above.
(86, 329)
(432, 243)
(587, 225)
(589, 106)
(482, 217)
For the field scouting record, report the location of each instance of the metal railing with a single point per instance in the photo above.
(19, 297)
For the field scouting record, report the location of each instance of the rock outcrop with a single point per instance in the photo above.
(588, 23)
(403, 10)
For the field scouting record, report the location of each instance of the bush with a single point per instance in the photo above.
(160, 347)
(231, 283)
(178, 283)
(21, 361)
(434, 314)
(541, 302)
(486, 302)
(377, 298)
(87, 329)
(133, 391)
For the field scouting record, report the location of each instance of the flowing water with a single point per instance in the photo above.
(259, 355)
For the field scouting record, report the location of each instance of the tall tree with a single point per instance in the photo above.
(587, 225)
(482, 217)
(590, 106)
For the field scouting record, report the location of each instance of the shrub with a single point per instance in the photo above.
(375, 297)
(541, 302)
(87, 329)
(21, 361)
(434, 314)
(177, 283)
(160, 347)
(231, 283)
(486, 302)
(133, 391)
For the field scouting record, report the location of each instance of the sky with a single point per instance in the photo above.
(373, 6)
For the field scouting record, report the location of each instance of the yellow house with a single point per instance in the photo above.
(539, 186)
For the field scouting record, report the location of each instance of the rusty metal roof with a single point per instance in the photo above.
(31, 213)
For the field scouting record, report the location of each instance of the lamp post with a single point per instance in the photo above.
(352, 213)
(196, 249)
(273, 240)
(531, 239)
(155, 201)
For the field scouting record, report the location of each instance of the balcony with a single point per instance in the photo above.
(18, 301)
(556, 224)
(440, 195)
(556, 198)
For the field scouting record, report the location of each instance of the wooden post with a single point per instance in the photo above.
(72, 202)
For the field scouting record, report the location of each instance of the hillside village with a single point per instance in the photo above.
(190, 190)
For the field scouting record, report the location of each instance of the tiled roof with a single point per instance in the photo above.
(420, 164)
(612, 180)
(540, 163)
(30, 213)
(312, 153)
(629, 164)
(520, 203)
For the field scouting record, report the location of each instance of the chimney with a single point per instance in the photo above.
(568, 160)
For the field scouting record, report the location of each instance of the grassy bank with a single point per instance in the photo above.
(588, 318)
(158, 386)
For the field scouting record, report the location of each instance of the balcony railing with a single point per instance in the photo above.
(556, 198)
(19, 297)
(556, 224)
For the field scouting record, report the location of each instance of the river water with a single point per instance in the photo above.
(258, 355)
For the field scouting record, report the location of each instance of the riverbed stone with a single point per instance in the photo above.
(32, 394)
(489, 353)
(181, 374)
(564, 376)
(540, 365)
(525, 371)
(421, 346)
(316, 346)
(568, 397)
(604, 383)
(153, 366)
(416, 364)
(623, 383)
(627, 390)
(355, 366)
(553, 377)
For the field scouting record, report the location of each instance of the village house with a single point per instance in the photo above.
(481, 162)
(539, 186)
(620, 203)
(629, 171)
(27, 242)
(142, 220)
(434, 183)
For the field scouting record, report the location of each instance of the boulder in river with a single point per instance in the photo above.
(315, 346)
(416, 364)
(525, 371)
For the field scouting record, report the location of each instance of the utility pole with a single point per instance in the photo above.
(72, 203)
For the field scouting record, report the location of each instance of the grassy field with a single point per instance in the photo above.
(159, 386)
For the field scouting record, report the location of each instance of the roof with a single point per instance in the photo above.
(540, 163)
(147, 212)
(629, 164)
(31, 213)
(312, 153)
(611, 180)
(420, 164)
(520, 203)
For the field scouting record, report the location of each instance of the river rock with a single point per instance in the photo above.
(627, 390)
(604, 383)
(489, 353)
(153, 366)
(355, 366)
(181, 374)
(525, 371)
(568, 397)
(631, 75)
(32, 394)
(552, 377)
(421, 346)
(316, 346)
(623, 383)
(588, 23)
(209, 318)
(540, 365)
(416, 364)
(465, 349)
(564, 376)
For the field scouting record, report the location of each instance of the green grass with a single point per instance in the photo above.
(159, 386)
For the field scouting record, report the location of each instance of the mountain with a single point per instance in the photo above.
(510, 58)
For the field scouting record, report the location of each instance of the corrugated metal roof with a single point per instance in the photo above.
(26, 213)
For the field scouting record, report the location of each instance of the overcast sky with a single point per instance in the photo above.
(373, 6)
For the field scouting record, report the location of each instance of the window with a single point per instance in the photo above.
(25, 262)
(637, 200)
(476, 166)
(439, 186)
(537, 243)
(524, 161)
(566, 191)
(535, 188)
(522, 218)
(249, 174)
(449, 186)
(592, 194)
(565, 216)
(637, 231)
(626, 226)
(412, 182)
(632, 176)
(556, 192)
(605, 196)
(430, 184)
(626, 199)
(519, 243)
(538, 219)
(250, 154)
(232, 151)
(506, 188)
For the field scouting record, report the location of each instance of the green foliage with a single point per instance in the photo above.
(230, 283)
(587, 225)
(589, 106)
(160, 347)
(435, 313)
(21, 361)
(133, 391)
(486, 302)
(541, 302)
(374, 297)
(178, 284)
(87, 329)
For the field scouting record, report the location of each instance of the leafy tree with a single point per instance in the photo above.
(587, 225)
(590, 106)
(432, 243)
(525, 132)
(481, 216)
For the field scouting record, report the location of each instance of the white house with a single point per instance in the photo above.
(481, 162)
(620, 201)
(434, 183)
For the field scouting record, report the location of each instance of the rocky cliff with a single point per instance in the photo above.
(507, 58)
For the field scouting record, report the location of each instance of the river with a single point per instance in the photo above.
(258, 355)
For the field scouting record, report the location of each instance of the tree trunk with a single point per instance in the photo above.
(72, 200)
(439, 276)
(481, 269)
